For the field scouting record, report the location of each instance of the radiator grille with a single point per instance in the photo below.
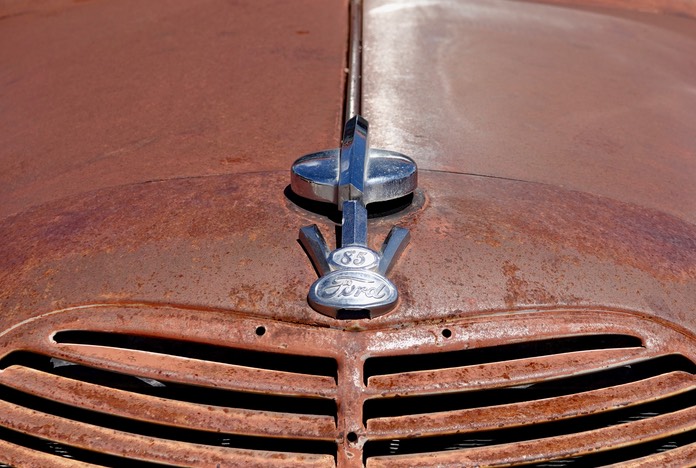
(111, 398)
(546, 388)
(530, 403)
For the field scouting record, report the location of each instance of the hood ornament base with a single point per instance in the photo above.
(353, 282)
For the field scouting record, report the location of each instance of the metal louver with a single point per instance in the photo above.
(242, 392)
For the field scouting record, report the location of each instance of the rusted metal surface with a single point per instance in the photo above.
(536, 412)
(160, 410)
(543, 450)
(350, 349)
(519, 372)
(682, 456)
(477, 255)
(142, 187)
(139, 447)
(98, 94)
(479, 244)
(674, 7)
(596, 103)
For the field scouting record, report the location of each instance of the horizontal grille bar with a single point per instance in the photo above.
(291, 363)
(388, 408)
(504, 374)
(679, 450)
(171, 390)
(385, 365)
(549, 441)
(129, 438)
(158, 444)
(168, 412)
(538, 411)
(19, 449)
(196, 372)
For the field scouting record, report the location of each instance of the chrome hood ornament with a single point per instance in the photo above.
(353, 282)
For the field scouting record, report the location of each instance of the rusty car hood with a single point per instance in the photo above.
(487, 89)
(162, 92)
(154, 289)
(525, 205)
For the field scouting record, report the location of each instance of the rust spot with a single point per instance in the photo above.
(627, 234)
(520, 291)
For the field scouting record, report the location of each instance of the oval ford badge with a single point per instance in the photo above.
(352, 291)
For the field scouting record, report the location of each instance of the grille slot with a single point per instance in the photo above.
(386, 365)
(298, 364)
(172, 390)
(433, 403)
(621, 411)
(632, 452)
(134, 426)
(36, 444)
(536, 431)
(99, 395)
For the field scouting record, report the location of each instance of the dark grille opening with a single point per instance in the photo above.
(402, 406)
(299, 364)
(377, 448)
(631, 452)
(173, 391)
(345, 314)
(165, 432)
(384, 365)
(65, 451)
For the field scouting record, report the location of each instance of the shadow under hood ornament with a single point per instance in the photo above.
(353, 282)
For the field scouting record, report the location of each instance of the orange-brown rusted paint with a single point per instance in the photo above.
(160, 410)
(602, 104)
(544, 449)
(240, 295)
(487, 244)
(538, 411)
(350, 349)
(672, 7)
(142, 186)
(99, 94)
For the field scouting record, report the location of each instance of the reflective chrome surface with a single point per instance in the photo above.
(389, 175)
(352, 282)
(353, 83)
(353, 294)
(354, 171)
(353, 161)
